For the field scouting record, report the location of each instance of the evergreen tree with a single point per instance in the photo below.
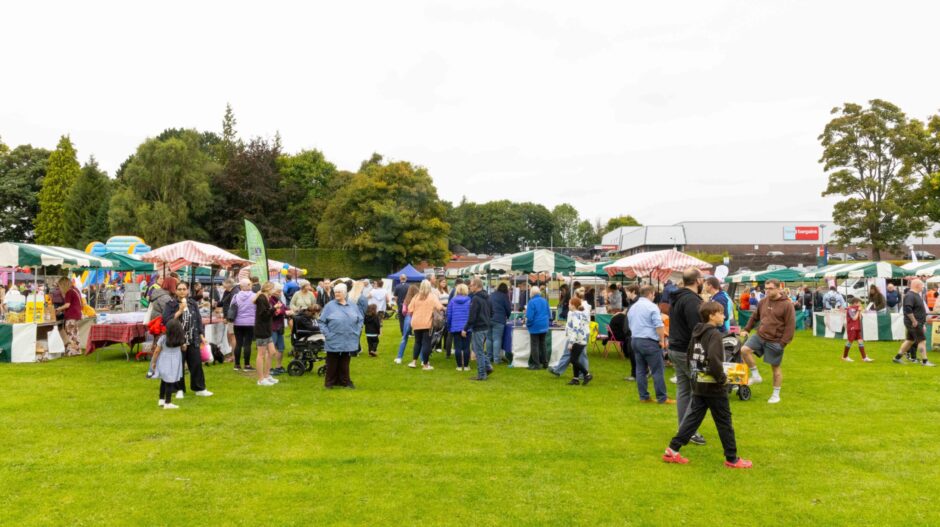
(61, 172)
(21, 173)
(88, 204)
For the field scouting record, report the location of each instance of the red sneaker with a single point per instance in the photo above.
(671, 456)
(740, 463)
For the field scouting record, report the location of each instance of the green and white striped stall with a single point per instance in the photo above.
(858, 270)
(880, 326)
(14, 254)
(537, 261)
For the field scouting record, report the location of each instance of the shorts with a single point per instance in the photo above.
(853, 335)
(263, 342)
(915, 335)
(772, 352)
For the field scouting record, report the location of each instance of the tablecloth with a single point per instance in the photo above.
(101, 335)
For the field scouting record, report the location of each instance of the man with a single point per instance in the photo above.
(915, 318)
(537, 320)
(291, 287)
(648, 336)
(631, 295)
(478, 324)
(717, 294)
(892, 298)
(808, 298)
(683, 317)
(500, 310)
(833, 299)
(777, 320)
(400, 292)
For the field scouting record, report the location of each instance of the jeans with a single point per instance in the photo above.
(478, 338)
(538, 357)
(422, 345)
(683, 382)
(648, 353)
(721, 413)
(406, 325)
(278, 338)
(243, 337)
(461, 349)
(566, 359)
(577, 350)
(494, 344)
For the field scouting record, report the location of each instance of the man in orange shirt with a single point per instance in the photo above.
(931, 297)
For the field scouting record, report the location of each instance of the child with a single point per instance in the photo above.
(577, 328)
(853, 331)
(167, 363)
(373, 326)
(709, 391)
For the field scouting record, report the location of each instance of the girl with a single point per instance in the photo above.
(577, 329)
(853, 331)
(373, 323)
(444, 296)
(412, 291)
(278, 322)
(264, 314)
(167, 362)
(458, 311)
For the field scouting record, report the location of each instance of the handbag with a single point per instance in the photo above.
(232, 311)
(155, 326)
(205, 353)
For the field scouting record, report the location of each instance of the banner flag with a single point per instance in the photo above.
(254, 243)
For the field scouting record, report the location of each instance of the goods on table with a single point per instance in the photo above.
(16, 318)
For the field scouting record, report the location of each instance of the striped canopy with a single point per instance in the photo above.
(126, 262)
(657, 264)
(923, 268)
(784, 275)
(591, 269)
(537, 261)
(15, 254)
(858, 270)
(182, 254)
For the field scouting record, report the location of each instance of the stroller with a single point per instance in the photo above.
(307, 344)
(732, 347)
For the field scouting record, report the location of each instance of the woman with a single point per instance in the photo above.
(614, 300)
(380, 298)
(197, 293)
(72, 311)
(577, 329)
(264, 330)
(406, 325)
(564, 297)
(304, 298)
(278, 323)
(443, 294)
(422, 309)
(242, 314)
(186, 312)
(877, 300)
(458, 311)
(225, 303)
(341, 324)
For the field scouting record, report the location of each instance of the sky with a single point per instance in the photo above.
(668, 111)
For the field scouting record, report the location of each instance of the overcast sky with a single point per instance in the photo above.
(668, 111)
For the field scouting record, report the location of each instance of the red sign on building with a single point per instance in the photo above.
(807, 233)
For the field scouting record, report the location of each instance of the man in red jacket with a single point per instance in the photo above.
(777, 320)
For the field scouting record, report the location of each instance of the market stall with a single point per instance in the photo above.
(659, 265)
(759, 277)
(521, 346)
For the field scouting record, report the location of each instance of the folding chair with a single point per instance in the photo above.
(618, 345)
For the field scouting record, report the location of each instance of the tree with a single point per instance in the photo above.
(565, 220)
(88, 204)
(922, 161)
(61, 172)
(863, 150)
(390, 213)
(620, 221)
(587, 236)
(535, 223)
(21, 174)
(309, 182)
(164, 190)
(230, 143)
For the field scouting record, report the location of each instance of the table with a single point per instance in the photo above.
(521, 347)
(102, 335)
(875, 326)
(18, 341)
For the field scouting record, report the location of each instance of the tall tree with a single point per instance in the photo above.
(565, 220)
(587, 235)
(164, 190)
(61, 172)
(922, 161)
(21, 173)
(309, 181)
(87, 210)
(389, 212)
(863, 151)
(620, 221)
(230, 143)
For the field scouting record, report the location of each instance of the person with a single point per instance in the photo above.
(684, 316)
(619, 332)
(500, 311)
(325, 293)
(745, 301)
(777, 320)
(303, 298)
(833, 299)
(565, 359)
(853, 330)
(291, 287)
(564, 298)
(380, 298)
(458, 310)
(808, 306)
(404, 317)
(453, 290)
(196, 294)
(632, 294)
(931, 297)
(341, 324)
(648, 338)
(717, 294)
(577, 329)
(278, 323)
(228, 287)
(614, 300)
(357, 294)
(187, 313)
(710, 392)
(167, 363)
(400, 292)
(373, 327)
(255, 284)
(876, 299)
(72, 314)
(537, 317)
(242, 313)
(445, 344)
(478, 325)
(915, 319)
(892, 298)
(422, 309)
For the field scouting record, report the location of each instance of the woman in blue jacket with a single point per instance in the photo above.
(458, 310)
(341, 324)
(537, 317)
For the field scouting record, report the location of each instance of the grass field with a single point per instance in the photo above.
(85, 444)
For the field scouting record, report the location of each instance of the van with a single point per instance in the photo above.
(857, 287)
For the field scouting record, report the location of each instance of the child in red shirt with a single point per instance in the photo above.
(853, 330)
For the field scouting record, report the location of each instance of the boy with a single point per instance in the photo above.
(709, 391)
(853, 331)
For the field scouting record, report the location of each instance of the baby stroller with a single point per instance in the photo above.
(732, 347)
(307, 344)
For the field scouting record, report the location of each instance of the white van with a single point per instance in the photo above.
(857, 287)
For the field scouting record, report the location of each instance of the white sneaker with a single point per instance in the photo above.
(459, 368)
(868, 359)
(204, 393)
(412, 364)
(397, 360)
(673, 379)
(179, 394)
(170, 406)
(427, 367)
(271, 380)
(774, 399)
(847, 359)
(160, 402)
(265, 382)
(756, 379)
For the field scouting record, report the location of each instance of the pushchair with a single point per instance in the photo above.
(736, 383)
(307, 344)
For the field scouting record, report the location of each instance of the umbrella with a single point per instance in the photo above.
(15, 254)
(859, 270)
(182, 254)
(657, 264)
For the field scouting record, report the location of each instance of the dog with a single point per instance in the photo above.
(217, 357)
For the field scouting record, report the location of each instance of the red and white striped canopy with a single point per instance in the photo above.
(657, 264)
(274, 268)
(181, 254)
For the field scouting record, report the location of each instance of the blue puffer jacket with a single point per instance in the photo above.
(537, 315)
(458, 310)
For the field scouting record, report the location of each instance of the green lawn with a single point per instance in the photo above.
(85, 444)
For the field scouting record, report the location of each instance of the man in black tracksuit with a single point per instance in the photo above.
(709, 389)
(683, 317)
(478, 326)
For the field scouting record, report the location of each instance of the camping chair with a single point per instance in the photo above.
(618, 345)
(593, 337)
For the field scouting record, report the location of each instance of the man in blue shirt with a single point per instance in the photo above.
(291, 287)
(648, 335)
(713, 288)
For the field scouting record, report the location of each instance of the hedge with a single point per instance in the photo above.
(329, 263)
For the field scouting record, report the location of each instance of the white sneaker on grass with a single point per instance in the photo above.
(847, 359)
(179, 394)
(928, 364)
(170, 406)
(774, 399)
(265, 382)
(673, 379)
(413, 364)
(397, 360)
(755, 379)
(271, 380)
(204, 393)
(427, 367)
(868, 359)
(160, 402)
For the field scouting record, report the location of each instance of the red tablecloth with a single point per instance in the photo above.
(102, 335)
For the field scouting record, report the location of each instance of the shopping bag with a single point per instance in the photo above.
(56, 345)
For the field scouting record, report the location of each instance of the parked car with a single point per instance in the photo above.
(924, 255)
(859, 256)
(775, 267)
(842, 257)
(774, 253)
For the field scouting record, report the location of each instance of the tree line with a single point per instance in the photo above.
(188, 184)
